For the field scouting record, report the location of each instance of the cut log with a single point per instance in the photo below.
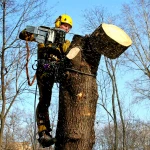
(110, 40)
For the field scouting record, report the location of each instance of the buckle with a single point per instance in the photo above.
(53, 58)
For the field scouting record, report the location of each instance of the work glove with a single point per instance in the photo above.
(24, 35)
(66, 45)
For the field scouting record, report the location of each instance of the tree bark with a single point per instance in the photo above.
(3, 88)
(77, 102)
(78, 93)
(110, 40)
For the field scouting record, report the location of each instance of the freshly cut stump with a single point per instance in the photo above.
(73, 53)
(110, 40)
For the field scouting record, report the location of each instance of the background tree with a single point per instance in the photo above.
(137, 135)
(14, 128)
(13, 53)
(136, 20)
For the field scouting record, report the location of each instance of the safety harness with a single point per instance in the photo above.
(53, 66)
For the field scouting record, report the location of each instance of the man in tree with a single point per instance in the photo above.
(51, 65)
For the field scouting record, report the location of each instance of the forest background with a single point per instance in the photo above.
(131, 70)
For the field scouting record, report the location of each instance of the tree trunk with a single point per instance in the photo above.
(3, 88)
(77, 103)
(78, 93)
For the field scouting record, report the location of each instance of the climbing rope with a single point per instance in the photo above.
(27, 72)
(35, 118)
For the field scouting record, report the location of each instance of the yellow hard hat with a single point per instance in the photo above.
(63, 19)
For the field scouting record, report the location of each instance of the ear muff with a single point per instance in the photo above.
(58, 22)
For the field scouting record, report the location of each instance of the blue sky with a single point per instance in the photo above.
(76, 9)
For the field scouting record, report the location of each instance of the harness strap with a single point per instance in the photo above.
(43, 61)
(80, 72)
(27, 72)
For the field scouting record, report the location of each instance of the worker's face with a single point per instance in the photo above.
(65, 27)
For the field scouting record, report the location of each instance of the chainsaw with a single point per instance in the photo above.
(46, 35)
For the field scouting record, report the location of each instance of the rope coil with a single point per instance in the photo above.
(27, 72)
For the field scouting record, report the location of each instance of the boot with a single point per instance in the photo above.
(45, 139)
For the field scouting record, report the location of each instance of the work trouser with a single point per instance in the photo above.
(45, 85)
(48, 72)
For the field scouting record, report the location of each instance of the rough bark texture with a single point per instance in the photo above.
(78, 93)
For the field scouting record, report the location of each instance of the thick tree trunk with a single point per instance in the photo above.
(77, 104)
(78, 93)
(77, 113)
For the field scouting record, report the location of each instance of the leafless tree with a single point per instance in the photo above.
(13, 54)
(13, 130)
(136, 20)
(137, 135)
